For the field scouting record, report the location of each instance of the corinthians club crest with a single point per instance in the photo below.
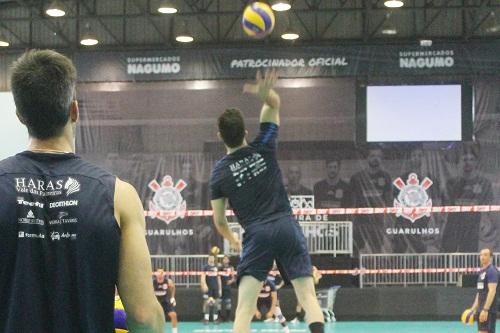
(167, 197)
(412, 195)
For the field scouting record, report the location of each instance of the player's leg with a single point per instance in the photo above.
(206, 310)
(173, 320)
(226, 307)
(255, 263)
(248, 292)
(281, 319)
(216, 309)
(165, 304)
(295, 265)
(306, 293)
(299, 314)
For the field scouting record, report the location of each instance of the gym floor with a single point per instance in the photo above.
(339, 327)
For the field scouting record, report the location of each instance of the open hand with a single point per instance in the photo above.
(263, 85)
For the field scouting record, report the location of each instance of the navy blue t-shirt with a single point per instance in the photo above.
(250, 178)
(486, 275)
(226, 276)
(161, 288)
(59, 245)
(211, 274)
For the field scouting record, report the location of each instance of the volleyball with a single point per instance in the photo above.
(258, 20)
(214, 250)
(120, 318)
(468, 317)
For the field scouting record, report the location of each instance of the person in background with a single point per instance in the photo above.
(165, 293)
(211, 286)
(485, 303)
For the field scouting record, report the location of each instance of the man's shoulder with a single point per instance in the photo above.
(221, 163)
(492, 269)
(90, 169)
(9, 164)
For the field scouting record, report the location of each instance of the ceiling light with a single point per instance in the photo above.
(183, 34)
(89, 40)
(425, 42)
(4, 43)
(290, 35)
(184, 38)
(494, 25)
(393, 3)
(389, 30)
(55, 9)
(280, 5)
(167, 7)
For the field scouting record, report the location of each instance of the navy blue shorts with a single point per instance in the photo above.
(488, 325)
(212, 292)
(281, 240)
(166, 305)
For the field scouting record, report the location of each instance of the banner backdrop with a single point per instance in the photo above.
(161, 137)
(238, 63)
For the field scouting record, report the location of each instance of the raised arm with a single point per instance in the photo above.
(144, 313)
(263, 89)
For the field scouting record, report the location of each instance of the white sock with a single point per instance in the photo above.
(207, 316)
(216, 316)
(174, 329)
(279, 315)
(286, 329)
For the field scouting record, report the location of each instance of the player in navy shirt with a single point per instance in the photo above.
(227, 278)
(485, 304)
(267, 300)
(211, 286)
(249, 178)
(165, 294)
(69, 231)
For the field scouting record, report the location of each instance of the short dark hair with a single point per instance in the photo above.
(43, 84)
(232, 127)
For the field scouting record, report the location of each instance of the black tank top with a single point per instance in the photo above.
(59, 245)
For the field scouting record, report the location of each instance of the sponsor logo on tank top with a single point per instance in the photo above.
(62, 218)
(30, 219)
(23, 234)
(71, 186)
(56, 236)
(22, 202)
(47, 187)
(66, 203)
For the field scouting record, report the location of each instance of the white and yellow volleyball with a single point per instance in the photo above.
(467, 317)
(258, 20)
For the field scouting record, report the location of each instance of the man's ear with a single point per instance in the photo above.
(74, 112)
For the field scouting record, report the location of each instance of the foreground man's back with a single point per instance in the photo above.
(69, 231)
